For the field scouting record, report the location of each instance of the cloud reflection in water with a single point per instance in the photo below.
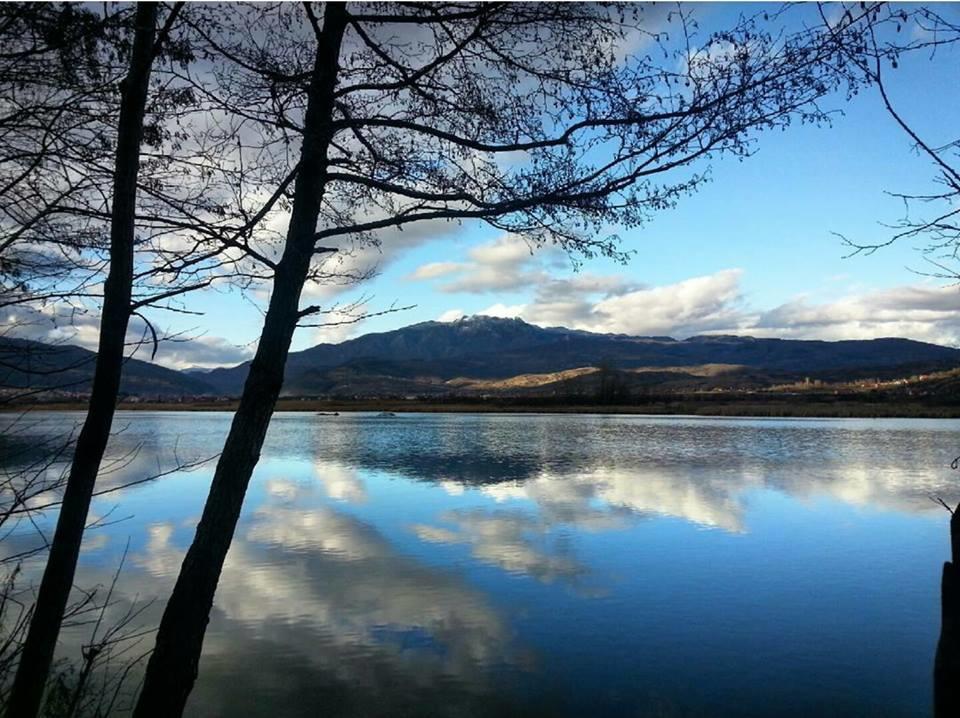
(381, 563)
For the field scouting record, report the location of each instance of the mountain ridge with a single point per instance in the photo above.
(484, 347)
(480, 353)
(28, 367)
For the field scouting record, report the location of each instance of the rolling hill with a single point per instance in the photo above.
(431, 357)
(478, 356)
(29, 366)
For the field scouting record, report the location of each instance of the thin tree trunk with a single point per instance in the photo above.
(173, 666)
(28, 687)
(946, 669)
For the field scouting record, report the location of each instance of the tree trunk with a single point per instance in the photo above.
(174, 664)
(27, 692)
(946, 668)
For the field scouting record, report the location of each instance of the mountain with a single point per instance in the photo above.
(478, 356)
(434, 358)
(29, 366)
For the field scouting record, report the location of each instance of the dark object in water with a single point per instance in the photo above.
(386, 413)
(327, 413)
(946, 667)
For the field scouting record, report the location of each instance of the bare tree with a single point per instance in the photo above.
(52, 76)
(523, 116)
(51, 72)
(187, 209)
(932, 217)
(197, 199)
(184, 207)
(27, 693)
(109, 655)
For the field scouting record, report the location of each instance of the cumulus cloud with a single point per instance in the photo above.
(507, 250)
(433, 270)
(338, 273)
(54, 323)
(451, 315)
(334, 333)
(709, 304)
(60, 324)
(612, 304)
(927, 313)
(693, 306)
(507, 311)
(325, 586)
(595, 498)
(507, 263)
(201, 352)
(605, 303)
(566, 302)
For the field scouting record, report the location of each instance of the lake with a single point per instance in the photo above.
(554, 565)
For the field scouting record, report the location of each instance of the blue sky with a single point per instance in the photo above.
(752, 252)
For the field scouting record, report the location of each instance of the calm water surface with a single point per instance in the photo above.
(490, 565)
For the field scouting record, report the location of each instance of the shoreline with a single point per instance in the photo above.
(680, 406)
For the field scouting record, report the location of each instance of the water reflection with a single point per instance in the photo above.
(693, 468)
(511, 540)
(488, 565)
(341, 482)
(316, 609)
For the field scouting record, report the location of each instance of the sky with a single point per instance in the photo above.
(754, 252)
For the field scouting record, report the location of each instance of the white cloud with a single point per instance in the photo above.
(614, 305)
(286, 490)
(571, 301)
(927, 313)
(507, 263)
(693, 306)
(507, 250)
(58, 323)
(433, 270)
(338, 581)
(505, 311)
(334, 333)
(594, 302)
(590, 499)
(451, 315)
(336, 273)
(716, 303)
(204, 352)
(480, 279)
